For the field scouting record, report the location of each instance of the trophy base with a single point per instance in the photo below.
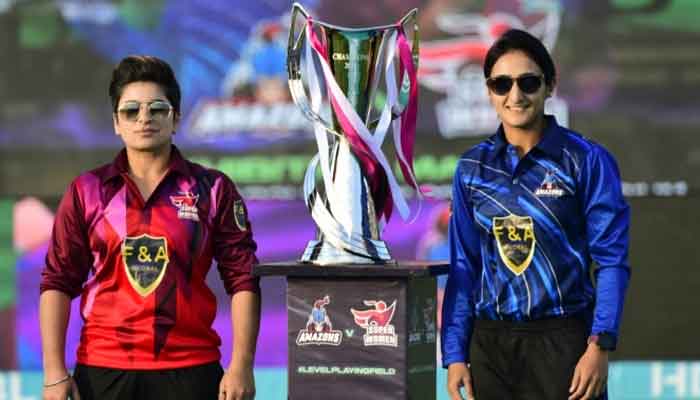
(323, 253)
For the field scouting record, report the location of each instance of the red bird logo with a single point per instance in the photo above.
(187, 199)
(380, 315)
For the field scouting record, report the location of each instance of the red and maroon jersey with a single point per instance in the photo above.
(140, 265)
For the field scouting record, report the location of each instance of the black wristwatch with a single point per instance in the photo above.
(604, 340)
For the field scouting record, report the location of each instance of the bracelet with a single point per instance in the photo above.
(58, 382)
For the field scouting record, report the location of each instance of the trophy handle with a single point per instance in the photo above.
(296, 86)
(412, 17)
(295, 40)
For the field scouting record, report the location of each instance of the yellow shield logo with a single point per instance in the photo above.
(515, 236)
(145, 259)
(239, 215)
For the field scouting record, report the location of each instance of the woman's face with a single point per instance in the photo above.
(516, 108)
(145, 119)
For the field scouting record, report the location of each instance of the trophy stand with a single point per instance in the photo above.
(360, 325)
(360, 331)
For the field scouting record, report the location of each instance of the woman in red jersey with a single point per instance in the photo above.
(135, 239)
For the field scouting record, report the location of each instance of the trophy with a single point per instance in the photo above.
(342, 70)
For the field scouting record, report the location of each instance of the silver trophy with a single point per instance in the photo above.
(342, 68)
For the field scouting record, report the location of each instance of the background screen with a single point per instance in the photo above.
(628, 77)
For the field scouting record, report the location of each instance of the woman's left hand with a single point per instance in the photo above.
(590, 375)
(238, 383)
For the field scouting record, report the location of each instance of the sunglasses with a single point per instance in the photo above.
(501, 85)
(158, 110)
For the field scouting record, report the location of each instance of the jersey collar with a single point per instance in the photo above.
(120, 165)
(551, 143)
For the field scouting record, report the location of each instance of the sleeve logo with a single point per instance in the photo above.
(239, 215)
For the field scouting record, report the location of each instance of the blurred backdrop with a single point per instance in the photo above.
(629, 78)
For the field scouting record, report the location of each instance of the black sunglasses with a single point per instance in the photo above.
(158, 110)
(501, 85)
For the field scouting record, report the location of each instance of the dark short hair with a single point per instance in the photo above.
(138, 68)
(518, 40)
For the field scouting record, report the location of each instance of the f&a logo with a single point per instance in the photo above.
(145, 260)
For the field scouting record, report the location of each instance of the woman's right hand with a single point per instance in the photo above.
(62, 391)
(458, 375)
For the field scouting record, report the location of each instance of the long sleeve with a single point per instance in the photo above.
(465, 264)
(607, 231)
(234, 247)
(68, 259)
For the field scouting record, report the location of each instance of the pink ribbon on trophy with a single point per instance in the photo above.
(369, 155)
(370, 165)
(404, 146)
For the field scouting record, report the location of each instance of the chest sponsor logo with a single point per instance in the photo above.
(145, 260)
(515, 237)
(376, 321)
(549, 187)
(186, 203)
(239, 215)
(319, 329)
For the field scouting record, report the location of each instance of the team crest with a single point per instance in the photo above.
(319, 329)
(186, 203)
(549, 187)
(515, 236)
(377, 323)
(145, 260)
(239, 215)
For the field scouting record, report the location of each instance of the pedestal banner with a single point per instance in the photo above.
(360, 332)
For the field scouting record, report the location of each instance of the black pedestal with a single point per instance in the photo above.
(360, 331)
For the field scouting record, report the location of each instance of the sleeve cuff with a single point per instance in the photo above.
(249, 284)
(453, 358)
(604, 339)
(72, 293)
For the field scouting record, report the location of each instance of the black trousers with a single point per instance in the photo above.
(193, 383)
(532, 360)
